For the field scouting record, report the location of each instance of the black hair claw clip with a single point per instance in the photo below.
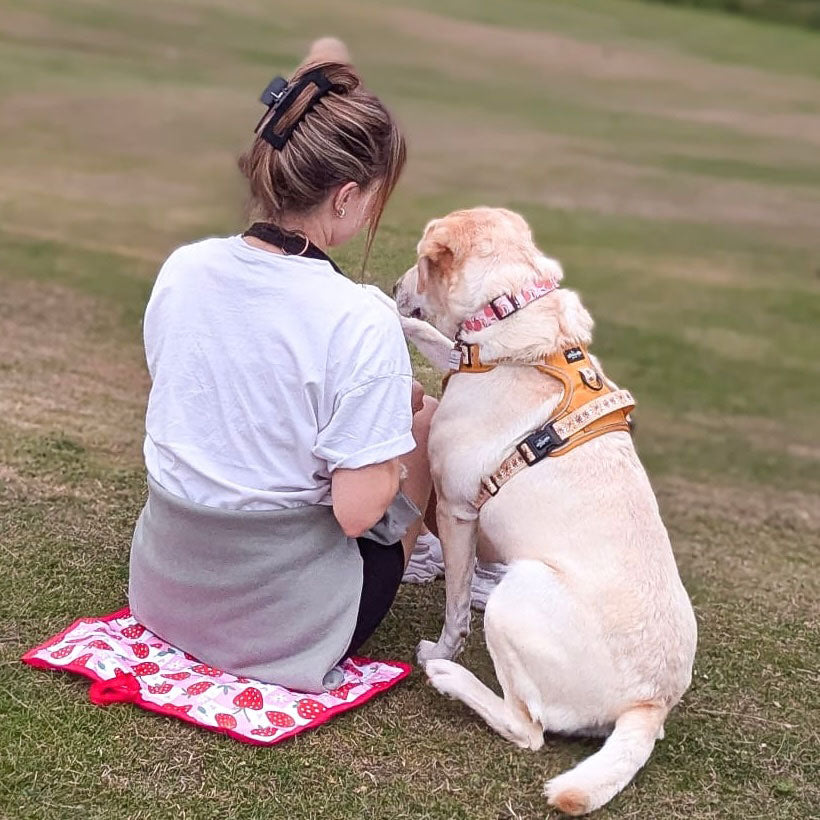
(274, 92)
(280, 96)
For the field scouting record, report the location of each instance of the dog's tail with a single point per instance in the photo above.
(599, 778)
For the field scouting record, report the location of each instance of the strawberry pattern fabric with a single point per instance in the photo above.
(162, 678)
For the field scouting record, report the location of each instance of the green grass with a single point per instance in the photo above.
(667, 156)
(800, 12)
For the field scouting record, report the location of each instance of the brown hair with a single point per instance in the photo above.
(348, 135)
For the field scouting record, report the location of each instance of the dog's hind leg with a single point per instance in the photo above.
(507, 717)
(547, 656)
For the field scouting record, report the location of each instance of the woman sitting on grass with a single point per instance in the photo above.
(279, 422)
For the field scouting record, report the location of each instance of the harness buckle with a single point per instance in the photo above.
(489, 485)
(540, 444)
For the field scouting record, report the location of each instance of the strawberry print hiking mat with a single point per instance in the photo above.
(127, 663)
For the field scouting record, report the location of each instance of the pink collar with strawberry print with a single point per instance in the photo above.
(508, 303)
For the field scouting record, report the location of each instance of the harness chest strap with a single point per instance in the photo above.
(606, 414)
(588, 408)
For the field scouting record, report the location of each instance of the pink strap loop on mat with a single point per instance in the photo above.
(123, 688)
(129, 664)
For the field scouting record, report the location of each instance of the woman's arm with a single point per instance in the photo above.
(362, 496)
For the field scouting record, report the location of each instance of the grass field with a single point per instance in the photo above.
(796, 12)
(669, 157)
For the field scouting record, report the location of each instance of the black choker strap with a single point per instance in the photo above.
(292, 244)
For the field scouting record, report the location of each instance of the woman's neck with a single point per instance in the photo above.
(308, 226)
(312, 225)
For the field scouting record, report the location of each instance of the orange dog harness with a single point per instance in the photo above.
(588, 408)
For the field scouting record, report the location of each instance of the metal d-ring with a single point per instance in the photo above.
(301, 252)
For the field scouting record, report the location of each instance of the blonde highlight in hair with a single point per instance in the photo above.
(348, 136)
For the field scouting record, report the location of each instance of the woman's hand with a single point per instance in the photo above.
(417, 397)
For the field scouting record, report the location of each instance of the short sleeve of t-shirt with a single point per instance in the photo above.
(371, 381)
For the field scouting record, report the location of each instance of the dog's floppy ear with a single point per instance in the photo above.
(423, 274)
(548, 268)
(574, 320)
(436, 253)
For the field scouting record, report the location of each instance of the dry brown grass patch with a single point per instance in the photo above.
(751, 505)
(62, 374)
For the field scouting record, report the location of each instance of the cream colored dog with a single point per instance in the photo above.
(590, 630)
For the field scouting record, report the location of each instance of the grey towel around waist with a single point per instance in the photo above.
(269, 595)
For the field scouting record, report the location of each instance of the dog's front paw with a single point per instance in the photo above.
(412, 327)
(444, 676)
(428, 651)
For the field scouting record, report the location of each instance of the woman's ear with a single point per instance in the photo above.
(342, 197)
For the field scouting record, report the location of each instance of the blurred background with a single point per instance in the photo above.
(667, 153)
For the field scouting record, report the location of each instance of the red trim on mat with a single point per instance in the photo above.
(80, 669)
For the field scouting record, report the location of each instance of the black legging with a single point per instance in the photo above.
(382, 569)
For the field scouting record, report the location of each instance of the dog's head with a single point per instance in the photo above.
(467, 258)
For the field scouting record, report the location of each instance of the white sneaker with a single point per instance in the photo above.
(485, 580)
(426, 563)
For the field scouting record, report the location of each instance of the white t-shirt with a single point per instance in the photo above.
(269, 372)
